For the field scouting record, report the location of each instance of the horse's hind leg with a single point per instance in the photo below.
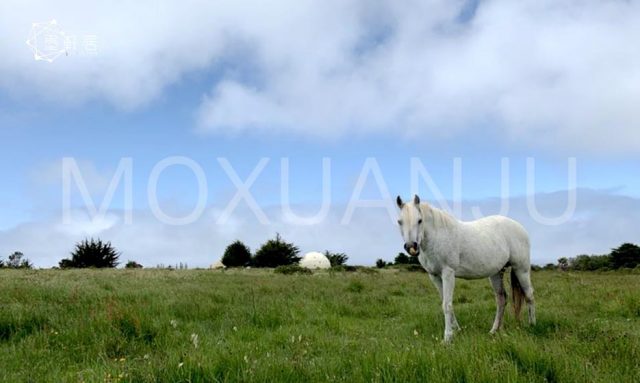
(524, 277)
(501, 299)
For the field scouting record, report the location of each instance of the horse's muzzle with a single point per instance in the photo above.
(412, 249)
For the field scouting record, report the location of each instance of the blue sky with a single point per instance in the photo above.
(477, 81)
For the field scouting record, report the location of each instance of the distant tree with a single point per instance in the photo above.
(627, 255)
(380, 263)
(66, 264)
(132, 265)
(549, 266)
(563, 263)
(590, 262)
(93, 253)
(336, 259)
(404, 259)
(401, 259)
(17, 261)
(276, 252)
(236, 254)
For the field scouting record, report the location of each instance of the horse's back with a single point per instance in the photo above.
(515, 237)
(508, 237)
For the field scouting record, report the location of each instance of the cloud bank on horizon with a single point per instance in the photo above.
(549, 73)
(602, 220)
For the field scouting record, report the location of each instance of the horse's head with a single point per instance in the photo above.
(410, 223)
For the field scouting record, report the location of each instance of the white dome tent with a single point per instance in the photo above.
(315, 260)
(217, 265)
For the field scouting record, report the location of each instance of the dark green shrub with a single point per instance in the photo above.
(94, 253)
(291, 269)
(627, 255)
(236, 254)
(401, 259)
(380, 263)
(276, 252)
(404, 259)
(343, 268)
(336, 259)
(132, 265)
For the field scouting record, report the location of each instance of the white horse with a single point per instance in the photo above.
(448, 248)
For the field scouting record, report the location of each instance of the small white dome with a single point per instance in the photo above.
(217, 265)
(315, 260)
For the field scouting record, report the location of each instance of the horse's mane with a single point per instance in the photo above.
(438, 218)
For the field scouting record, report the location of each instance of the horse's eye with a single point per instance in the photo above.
(419, 222)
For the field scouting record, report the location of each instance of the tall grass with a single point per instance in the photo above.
(254, 325)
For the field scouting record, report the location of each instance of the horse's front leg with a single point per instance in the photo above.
(448, 284)
(437, 282)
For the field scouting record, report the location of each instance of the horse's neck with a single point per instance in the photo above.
(438, 223)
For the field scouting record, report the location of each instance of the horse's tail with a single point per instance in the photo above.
(517, 294)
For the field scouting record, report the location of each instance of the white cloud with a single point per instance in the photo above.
(81, 224)
(551, 73)
(602, 220)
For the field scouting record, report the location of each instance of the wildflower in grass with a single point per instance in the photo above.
(415, 332)
(180, 364)
(235, 328)
(174, 323)
(194, 340)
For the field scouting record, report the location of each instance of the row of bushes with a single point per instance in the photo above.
(87, 253)
(98, 254)
(400, 259)
(626, 256)
(273, 253)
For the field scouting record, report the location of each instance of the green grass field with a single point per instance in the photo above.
(254, 325)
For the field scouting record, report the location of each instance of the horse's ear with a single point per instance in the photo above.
(399, 202)
(416, 200)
